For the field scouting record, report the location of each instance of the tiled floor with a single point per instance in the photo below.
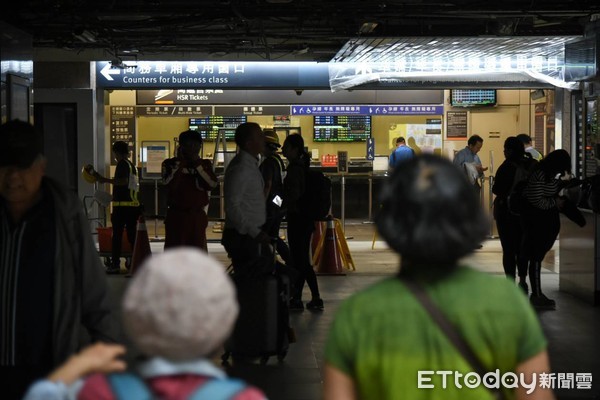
(573, 329)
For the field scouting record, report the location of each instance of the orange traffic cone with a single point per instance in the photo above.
(330, 261)
(316, 236)
(142, 246)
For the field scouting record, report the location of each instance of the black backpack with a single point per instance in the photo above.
(515, 199)
(316, 199)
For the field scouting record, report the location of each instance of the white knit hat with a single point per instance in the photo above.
(180, 305)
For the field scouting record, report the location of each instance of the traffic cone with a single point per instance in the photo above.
(142, 246)
(330, 261)
(316, 236)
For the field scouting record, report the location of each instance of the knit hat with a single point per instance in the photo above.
(180, 305)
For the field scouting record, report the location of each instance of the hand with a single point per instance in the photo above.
(99, 357)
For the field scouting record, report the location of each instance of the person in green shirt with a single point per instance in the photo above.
(383, 344)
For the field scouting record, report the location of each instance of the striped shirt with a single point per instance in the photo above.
(540, 193)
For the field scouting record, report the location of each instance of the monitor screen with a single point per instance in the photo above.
(209, 126)
(341, 128)
(472, 97)
(581, 60)
(380, 163)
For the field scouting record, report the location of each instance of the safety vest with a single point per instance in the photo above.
(134, 187)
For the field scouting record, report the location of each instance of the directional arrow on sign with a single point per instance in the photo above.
(107, 71)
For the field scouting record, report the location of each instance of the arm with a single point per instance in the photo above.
(121, 177)
(337, 385)
(97, 358)
(208, 180)
(293, 187)
(536, 364)
(503, 180)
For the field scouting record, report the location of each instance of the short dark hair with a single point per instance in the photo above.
(474, 139)
(524, 138)
(120, 147)
(21, 144)
(557, 161)
(400, 140)
(244, 131)
(513, 148)
(430, 214)
(190, 136)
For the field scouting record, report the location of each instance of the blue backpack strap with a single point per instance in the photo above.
(218, 389)
(127, 386)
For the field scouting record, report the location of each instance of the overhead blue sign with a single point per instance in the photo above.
(209, 74)
(374, 109)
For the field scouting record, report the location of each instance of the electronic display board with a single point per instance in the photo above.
(341, 128)
(472, 97)
(209, 126)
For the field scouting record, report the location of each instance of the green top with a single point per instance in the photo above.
(382, 336)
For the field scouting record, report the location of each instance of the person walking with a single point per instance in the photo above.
(54, 296)
(509, 224)
(273, 173)
(243, 237)
(300, 225)
(189, 180)
(385, 344)
(126, 208)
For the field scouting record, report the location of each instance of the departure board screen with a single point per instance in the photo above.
(209, 126)
(472, 97)
(342, 128)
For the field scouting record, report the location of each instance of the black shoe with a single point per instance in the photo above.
(541, 302)
(315, 305)
(113, 270)
(296, 305)
(524, 287)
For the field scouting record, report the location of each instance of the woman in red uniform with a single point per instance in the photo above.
(189, 180)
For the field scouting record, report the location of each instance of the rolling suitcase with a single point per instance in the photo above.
(262, 327)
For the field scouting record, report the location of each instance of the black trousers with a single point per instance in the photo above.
(123, 218)
(511, 238)
(299, 231)
(272, 226)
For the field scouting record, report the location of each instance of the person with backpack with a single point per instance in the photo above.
(178, 321)
(272, 169)
(515, 168)
(540, 217)
(300, 222)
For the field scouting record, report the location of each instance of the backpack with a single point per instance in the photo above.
(131, 387)
(515, 199)
(316, 199)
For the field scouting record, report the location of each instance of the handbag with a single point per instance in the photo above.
(450, 331)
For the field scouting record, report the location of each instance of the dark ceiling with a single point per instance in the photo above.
(290, 30)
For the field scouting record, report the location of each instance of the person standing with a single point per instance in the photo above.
(401, 153)
(273, 173)
(540, 218)
(509, 224)
(245, 213)
(300, 224)
(189, 180)
(383, 343)
(126, 206)
(468, 160)
(53, 284)
(526, 140)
